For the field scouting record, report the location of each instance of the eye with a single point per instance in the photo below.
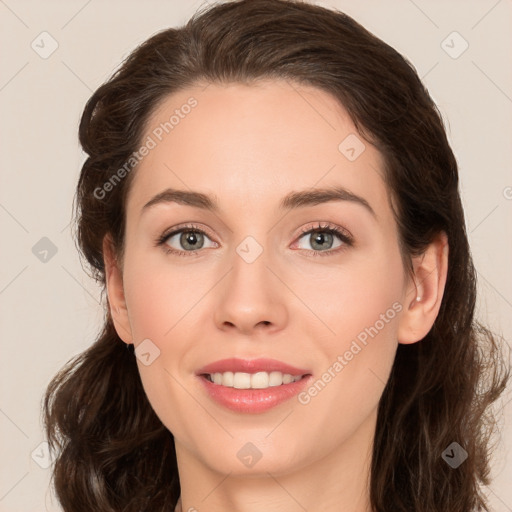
(322, 237)
(190, 238)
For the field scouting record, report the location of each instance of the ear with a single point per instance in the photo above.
(115, 291)
(430, 272)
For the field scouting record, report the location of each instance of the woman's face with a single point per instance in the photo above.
(256, 286)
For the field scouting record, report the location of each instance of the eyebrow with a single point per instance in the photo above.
(293, 200)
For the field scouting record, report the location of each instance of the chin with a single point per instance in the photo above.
(247, 459)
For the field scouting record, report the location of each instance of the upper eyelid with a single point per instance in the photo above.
(174, 231)
(327, 226)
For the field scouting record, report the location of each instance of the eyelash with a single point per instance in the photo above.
(347, 239)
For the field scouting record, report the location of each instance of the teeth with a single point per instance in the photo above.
(259, 380)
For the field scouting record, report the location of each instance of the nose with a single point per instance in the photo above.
(251, 298)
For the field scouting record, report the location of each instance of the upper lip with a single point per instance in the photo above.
(250, 366)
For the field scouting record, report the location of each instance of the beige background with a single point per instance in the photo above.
(50, 310)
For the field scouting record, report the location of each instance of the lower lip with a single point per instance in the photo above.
(253, 400)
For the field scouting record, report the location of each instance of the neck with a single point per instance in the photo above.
(337, 482)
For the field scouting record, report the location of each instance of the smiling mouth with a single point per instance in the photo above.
(258, 380)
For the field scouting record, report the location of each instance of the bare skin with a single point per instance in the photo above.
(248, 147)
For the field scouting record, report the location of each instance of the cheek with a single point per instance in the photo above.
(158, 298)
(362, 293)
(159, 295)
(361, 307)
(162, 300)
(357, 362)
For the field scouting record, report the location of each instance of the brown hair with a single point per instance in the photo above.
(113, 453)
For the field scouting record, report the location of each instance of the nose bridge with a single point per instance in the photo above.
(250, 250)
(251, 237)
(250, 293)
(250, 275)
(255, 247)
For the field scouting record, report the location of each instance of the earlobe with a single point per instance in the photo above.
(115, 291)
(423, 300)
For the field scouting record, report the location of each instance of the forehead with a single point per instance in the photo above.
(250, 145)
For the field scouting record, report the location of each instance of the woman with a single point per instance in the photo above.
(272, 206)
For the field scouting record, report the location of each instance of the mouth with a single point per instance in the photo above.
(252, 386)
